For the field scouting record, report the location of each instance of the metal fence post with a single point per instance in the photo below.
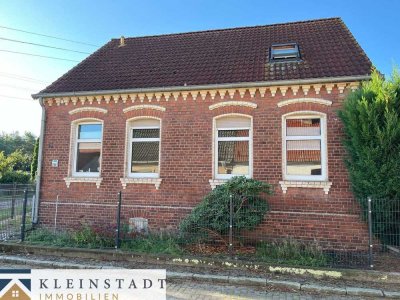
(24, 215)
(14, 192)
(370, 259)
(117, 238)
(230, 225)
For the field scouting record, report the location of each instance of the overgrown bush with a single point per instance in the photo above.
(371, 118)
(210, 219)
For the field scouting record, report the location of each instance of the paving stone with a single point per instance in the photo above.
(322, 288)
(247, 280)
(286, 284)
(353, 291)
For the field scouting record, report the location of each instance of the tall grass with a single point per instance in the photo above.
(291, 252)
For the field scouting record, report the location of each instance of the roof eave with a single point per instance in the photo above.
(207, 86)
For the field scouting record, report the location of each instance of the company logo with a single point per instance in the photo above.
(103, 284)
(15, 284)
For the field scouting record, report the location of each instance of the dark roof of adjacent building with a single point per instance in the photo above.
(237, 55)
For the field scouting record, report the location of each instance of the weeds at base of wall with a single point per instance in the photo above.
(289, 252)
(85, 237)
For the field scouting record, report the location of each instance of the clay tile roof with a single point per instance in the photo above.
(236, 55)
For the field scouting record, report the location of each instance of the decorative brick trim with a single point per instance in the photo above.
(144, 106)
(155, 181)
(215, 182)
(224, 94)
(232, 103)
(96, 180)
(325, 185)
(83, 109)
(305, 100)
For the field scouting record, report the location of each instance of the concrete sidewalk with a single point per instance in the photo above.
(306, 286)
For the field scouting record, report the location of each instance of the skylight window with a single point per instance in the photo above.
(283, 52)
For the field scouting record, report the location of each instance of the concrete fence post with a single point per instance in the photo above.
(118, 233)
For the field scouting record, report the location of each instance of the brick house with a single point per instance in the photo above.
(167, 118)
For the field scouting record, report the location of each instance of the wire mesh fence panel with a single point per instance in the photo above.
(247, 226)
(65, 224)
(254, 228)
(12, 210)
(385, 215)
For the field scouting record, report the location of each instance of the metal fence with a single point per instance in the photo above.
(15, 210)
(227, 229)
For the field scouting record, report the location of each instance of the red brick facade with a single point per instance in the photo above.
(186, 168)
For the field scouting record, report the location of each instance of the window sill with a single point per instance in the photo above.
(96, 180)
(325, 185)
(156, 181)
(215, 182)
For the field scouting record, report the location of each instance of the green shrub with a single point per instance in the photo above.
(11, 176)
(212, 216)
(371, 118)
(292, 252)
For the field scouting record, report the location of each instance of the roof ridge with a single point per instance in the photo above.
(232, 28)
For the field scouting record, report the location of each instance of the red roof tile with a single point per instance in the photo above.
(327, 49)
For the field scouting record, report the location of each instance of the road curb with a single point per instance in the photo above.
(234, 280)
(48, 263)
(353, 291)
(318, 288)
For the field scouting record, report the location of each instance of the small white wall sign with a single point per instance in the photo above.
(54, 163)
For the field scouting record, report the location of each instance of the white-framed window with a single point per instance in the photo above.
(144, 148)
(304, 146)
(284, 52)
(232, 146)
(88, 145)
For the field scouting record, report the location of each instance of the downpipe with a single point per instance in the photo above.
(35, 218)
